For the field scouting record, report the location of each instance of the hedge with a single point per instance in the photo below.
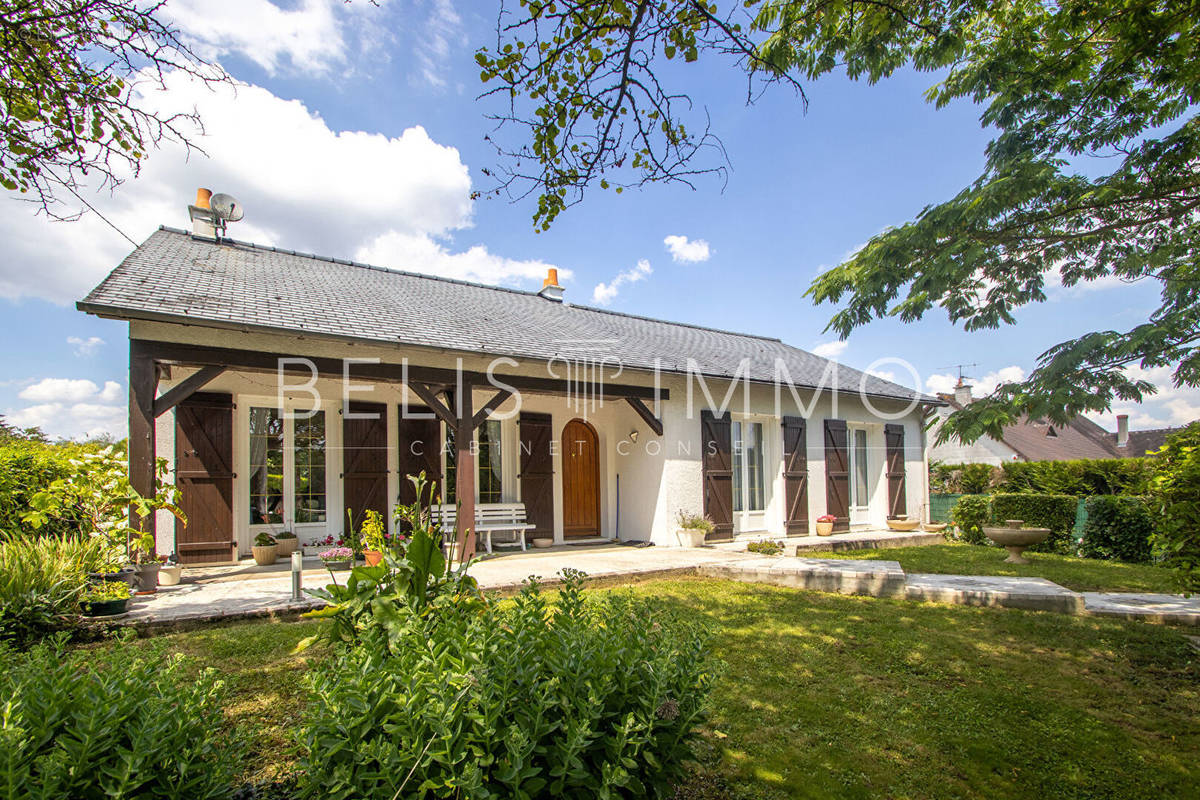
(969, 515)
(26, 467)
(1118, 528)
(1082, 477)
(1053, 511)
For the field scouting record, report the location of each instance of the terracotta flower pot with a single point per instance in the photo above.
(824, 528)
(372, 557)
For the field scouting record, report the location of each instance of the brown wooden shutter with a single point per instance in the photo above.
(536, 435)
(204, 475)
(364, 461)
(795, 476)
(716, 439)
(837, 473)
(893, 436)
(420, 450)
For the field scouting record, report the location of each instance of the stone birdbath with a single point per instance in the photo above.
(1015, 539)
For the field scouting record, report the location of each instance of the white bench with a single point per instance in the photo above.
(489, 518)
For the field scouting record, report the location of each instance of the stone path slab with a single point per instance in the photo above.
(875, 578)
(1037, 594)
(1169, 608)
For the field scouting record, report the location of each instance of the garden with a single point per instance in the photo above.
(412, 683)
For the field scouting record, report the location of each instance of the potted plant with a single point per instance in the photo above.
(106, 599)
(146, 564)
(171, 572)
(337, 558)
(693, 529)
(374, 537)
(287, 542)
(825, 524)
(265, 549)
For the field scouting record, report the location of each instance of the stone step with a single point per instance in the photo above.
(876, 578)
(1169, 608)
(839, 543)
(1037, 594)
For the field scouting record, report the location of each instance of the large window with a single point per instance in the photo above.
(489, 482)
(749, 491)
(266, 466)
(309, 468)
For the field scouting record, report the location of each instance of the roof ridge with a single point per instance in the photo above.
(424, 275)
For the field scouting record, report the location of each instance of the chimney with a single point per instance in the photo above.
(1122, 430)
(550, 288)
(202, 216)
(962, 394)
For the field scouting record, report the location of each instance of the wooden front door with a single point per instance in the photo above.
(204, 475)
(581, 480)
(364, 460)
(537, 472)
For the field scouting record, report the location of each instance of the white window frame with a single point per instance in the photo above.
(860, 507)
(756, 520)
(508, 480)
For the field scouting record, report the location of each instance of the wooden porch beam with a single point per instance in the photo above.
(464, 473)
(257, 361)
(186, 388)
(490, 406)
(430, 398)
(143, 384)
(646, 414)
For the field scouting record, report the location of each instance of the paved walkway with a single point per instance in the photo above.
(250, 593)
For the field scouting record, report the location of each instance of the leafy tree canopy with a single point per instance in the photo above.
(1112, 83)
(70, 110)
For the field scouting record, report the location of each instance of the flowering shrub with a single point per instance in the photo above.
(336, 554)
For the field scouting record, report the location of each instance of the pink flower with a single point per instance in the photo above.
(336, 554)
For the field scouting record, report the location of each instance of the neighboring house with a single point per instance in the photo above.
(604, 425)
(1041, 441)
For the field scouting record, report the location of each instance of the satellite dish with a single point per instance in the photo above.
(226, 208)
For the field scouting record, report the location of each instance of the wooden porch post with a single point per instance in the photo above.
(143, 382)
(464, 472)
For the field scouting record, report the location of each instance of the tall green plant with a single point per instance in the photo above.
(1176, 492)
(42, 580)
(585, 697)
(969, 515)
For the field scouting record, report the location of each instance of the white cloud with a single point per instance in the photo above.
(303, 185)
(420, 253)
(443, 31)
(982, 386)
(71, 408)
(605, 292)
(831, 349)
(85, 347)
(687, 252)
(308, 38)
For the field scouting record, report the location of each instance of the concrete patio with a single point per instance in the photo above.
(244, 591)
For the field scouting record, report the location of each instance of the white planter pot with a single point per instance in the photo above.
(170, 575)
(690, 537)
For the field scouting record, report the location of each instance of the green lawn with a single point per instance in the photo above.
(1078, 574)
(848, 697)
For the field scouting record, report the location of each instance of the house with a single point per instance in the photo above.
(1031, 440)
(284, 388)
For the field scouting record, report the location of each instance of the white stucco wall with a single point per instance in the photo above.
(650, 480)
(982, 451)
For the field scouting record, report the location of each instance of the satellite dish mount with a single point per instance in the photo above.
(213, 216)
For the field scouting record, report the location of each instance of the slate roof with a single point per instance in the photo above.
(174, 276)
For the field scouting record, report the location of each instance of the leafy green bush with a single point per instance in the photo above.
(1053, 511)
(1118, 528)
(114, 724)
(1176, 492)
(42, 581)
(969, 515)
(766, 548)
(597, 697)
(1082, 478)
(26, 468)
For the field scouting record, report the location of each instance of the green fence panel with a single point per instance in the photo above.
(940, 506)
(1080, 518)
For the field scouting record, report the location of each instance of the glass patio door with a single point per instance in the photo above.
(749, 482)
(860, 473)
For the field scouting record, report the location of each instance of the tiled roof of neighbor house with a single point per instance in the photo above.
(1143, 442)
(174, 276)
(1040, 441)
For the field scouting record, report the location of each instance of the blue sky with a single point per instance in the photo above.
(322, 146)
